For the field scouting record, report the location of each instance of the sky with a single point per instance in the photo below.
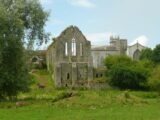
(134, 20)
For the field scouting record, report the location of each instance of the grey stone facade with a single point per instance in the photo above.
(117, 47)
(134, 51)
(69, 59)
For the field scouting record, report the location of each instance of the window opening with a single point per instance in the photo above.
(73, 47)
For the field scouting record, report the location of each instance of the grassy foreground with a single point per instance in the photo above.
(52, 104)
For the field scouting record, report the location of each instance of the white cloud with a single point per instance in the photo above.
(82, 3)
(143, 40)
(98, 39)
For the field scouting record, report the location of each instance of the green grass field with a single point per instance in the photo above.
(52, 104)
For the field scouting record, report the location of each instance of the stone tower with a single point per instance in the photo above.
(119, 44)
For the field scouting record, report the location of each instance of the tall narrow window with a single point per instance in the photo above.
(81, 49)
(66, 49)
(73, 47)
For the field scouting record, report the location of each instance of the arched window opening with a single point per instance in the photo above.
(68, 76)
(73, 47)
(66, 49)
(136, 54)
(97, 75)
(101, 75)
(34, 59)
(81, 49)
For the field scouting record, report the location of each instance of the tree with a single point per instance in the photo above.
(154, 79)
(125, 73)
(156, 54)
(22, 24)
(128, 77)
(111, 60)
(146, 54)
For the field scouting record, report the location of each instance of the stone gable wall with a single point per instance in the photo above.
(69, 70)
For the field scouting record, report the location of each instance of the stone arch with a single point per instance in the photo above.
(34, 59)
(68, 76)
(74, 47)
(136, 54)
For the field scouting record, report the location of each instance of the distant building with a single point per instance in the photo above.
(37, 58)
(134, 51)
(74, 63)
(117, 47)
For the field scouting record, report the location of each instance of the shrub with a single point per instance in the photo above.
(148, 64)
(112, 60)
(35, 66)
(156, 54)
(146, 54)
(128, 76)
(154, 79)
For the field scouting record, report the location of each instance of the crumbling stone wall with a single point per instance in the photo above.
(69, 58)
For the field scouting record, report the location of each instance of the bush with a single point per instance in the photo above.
(128, 77)
(35, 66)
(112, 60)
(154, 79)
(156, 54)
(146, 54)
(148, 64)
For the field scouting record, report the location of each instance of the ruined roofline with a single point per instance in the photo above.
(71, 27)
(74, 29)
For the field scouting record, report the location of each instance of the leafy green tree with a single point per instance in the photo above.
(146, 54)
(154, 79)
(147, 64)
(111, 60)
(126, 73)
(22, 24)
(156, 54)
(128, 77)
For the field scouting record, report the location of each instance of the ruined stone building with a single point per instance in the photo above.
(69, 56)
(73, 63)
